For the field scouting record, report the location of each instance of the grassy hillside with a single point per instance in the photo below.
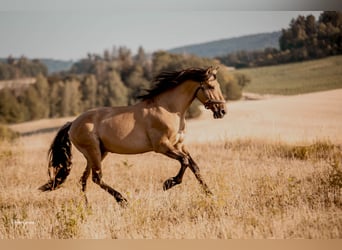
(226, 46)
(296, 78)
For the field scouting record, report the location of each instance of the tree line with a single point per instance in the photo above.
(22, 67)
(306, 38)
(114, 78)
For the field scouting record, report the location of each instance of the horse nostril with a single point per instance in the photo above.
(223, 112)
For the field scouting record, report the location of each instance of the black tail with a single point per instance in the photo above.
(59, 159)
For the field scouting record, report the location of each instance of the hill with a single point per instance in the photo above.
(296, 78)
(226, 46)
(54, 65)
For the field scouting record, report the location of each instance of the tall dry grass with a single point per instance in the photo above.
(262, 190)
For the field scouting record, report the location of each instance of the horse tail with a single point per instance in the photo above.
(60, 157)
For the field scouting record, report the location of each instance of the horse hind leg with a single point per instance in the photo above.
(94, 159)
(86, 173)
(94, 155)
(97, 178)
(84, 178)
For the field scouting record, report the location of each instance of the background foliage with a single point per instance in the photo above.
(112, 79)
(304, 39)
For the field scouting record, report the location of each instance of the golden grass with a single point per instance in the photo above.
(262, 190)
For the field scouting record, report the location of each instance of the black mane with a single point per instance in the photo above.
(169, 79)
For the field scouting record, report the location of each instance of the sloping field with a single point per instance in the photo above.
(296, 78)
(300, 118)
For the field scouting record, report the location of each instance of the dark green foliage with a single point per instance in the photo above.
(7, 134)
(305, 39)
(89, 92)
(21, 68)
(231, 45)
(11, 109)
(114, 79)
(113, 92)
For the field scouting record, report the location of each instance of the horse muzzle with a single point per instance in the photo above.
(219, 114)
(218, 108)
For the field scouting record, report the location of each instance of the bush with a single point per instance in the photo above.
(7, 134)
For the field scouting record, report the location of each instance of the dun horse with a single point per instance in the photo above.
(156, 123)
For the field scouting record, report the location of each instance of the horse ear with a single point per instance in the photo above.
(212, 70)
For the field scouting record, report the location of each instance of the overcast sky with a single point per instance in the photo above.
(49, 31)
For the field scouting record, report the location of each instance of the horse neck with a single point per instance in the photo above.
(178, 99)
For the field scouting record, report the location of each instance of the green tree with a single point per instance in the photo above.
(89, 92)
(56, 95)
(136, 81)
(34, 104)
(71, 101)
(11, 110)
(112, 91)
(43, 91)
(231, 85)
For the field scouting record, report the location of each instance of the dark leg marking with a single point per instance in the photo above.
(195, 169)
(97, 178)
(173, 181)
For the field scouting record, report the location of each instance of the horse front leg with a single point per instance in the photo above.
(195, 169)
(186, 161)
(173, 181)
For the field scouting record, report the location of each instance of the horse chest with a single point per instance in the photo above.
(178, 132)
(180, 137)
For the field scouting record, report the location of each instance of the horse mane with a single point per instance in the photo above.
(170, 79)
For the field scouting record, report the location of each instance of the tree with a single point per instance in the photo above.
(136, 81)
(89, 90)
(230, 86)
(33, 102)
(43, 89)
(112, 91)
(71, 101)
(11, 110)
(141, 57)
(56, 95)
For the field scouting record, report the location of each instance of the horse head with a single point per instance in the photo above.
(210, 95)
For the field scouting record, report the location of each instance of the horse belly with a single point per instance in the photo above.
(125, 138)
(127, 146)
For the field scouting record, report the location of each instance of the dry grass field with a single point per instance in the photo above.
(274, 166)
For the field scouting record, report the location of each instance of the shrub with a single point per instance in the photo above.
(7, 134)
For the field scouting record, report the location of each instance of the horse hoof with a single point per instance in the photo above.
(208, 192)
(169, 183)
(45, 187)
(49, 186)
(123, 203)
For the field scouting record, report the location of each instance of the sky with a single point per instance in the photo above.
(49, 31)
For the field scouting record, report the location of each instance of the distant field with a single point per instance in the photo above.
(296, 78)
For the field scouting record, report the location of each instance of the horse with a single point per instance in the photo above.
(155, 123)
